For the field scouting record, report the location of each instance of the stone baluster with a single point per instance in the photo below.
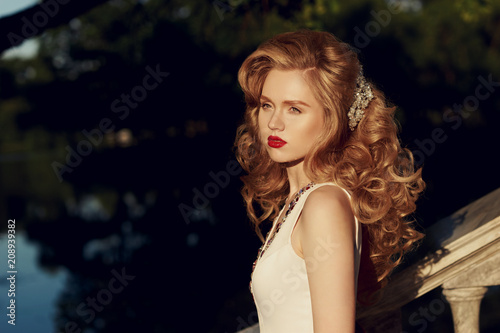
(465, 291)
(465, 304)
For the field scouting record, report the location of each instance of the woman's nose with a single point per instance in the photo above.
(276, 122)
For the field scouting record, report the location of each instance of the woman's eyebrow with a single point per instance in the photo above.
(289, 102)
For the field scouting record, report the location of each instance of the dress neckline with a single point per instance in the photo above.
(277, 225)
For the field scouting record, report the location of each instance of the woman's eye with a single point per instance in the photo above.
(295, 110)
(265, 106)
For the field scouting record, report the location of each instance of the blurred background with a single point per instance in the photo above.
(117, 120)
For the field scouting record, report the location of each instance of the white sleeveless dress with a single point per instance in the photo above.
(280, 285)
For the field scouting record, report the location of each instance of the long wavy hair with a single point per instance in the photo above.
(369, 162)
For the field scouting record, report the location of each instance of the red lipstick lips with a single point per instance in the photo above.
(275, 141)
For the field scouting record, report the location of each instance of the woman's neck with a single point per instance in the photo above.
(297, 178)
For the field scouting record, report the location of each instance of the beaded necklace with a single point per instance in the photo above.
(266, 245)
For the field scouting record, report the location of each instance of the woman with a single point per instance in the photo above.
(321, 142)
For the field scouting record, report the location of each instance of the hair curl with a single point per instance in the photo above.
(369, 161)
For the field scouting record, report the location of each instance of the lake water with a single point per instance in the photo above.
(36, 292)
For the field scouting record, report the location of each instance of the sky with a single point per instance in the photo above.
(8, 7)
(29, 47)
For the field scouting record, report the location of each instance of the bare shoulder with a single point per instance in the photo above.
(330, 200)
(327, 217)
(327, 209)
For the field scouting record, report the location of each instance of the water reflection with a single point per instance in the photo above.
(98, 250)
(118, 218)
(37, 289)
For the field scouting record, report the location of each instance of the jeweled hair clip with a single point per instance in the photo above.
(362, 96)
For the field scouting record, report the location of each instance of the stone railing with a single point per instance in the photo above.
(463, 259)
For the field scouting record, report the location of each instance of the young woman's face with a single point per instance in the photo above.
(290, 118)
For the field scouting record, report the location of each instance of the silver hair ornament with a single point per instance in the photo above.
(362, 96)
